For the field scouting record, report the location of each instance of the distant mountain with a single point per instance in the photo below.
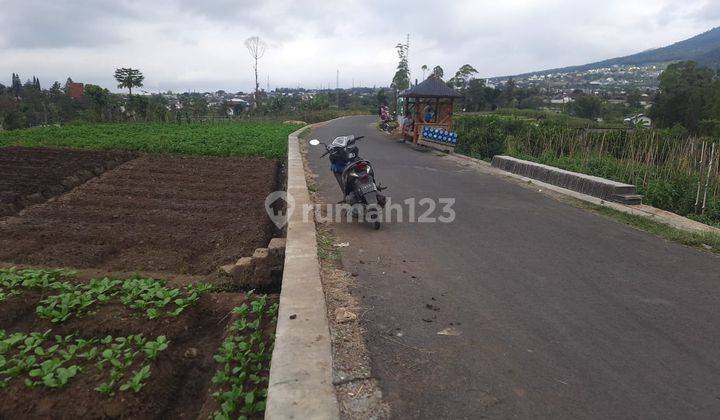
(703, 48)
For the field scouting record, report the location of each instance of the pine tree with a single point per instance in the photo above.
(16, 87)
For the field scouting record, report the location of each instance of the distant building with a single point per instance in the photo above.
(562, 100)
(76, 90)
(236, 106)
(640, 120)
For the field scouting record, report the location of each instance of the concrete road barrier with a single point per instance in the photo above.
(586, 184)
(301, 369)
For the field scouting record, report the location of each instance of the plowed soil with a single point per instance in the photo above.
(32, 175)
(158, 213)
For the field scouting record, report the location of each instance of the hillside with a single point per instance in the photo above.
(703, 48)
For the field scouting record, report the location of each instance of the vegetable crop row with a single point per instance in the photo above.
(52, 361)
(152, 297)
(245, 358)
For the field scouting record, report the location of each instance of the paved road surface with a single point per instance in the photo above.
(561, 312)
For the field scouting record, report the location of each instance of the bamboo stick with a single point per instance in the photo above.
(707, 180)
(697, 196)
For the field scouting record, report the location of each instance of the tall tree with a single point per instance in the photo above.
(587, 106)
(475, 95)
(129, 78)
(424, 68)
(98, 98)
(16, 86)
(686, 96)
(66, 88)
(56, 88)
(462, 77)
(438, 71)
(508, 93)
(256, 47)
(401, 80)
(381, 97)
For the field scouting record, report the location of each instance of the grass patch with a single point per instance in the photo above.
(705, 241)
(326, 250)
(305, 133)
(268, 139)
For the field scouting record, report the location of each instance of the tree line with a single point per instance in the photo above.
(28, 104)
(688, 98)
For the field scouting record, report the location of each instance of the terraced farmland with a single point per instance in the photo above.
(112, 303)
(158, 213)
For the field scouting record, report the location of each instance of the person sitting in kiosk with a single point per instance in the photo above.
(408, 125)
(429, 114)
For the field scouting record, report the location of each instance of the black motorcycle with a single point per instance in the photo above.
(356, 178)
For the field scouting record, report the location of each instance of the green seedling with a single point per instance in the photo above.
(52, 366)
(244, 361)
(153, 348)
(138, 379)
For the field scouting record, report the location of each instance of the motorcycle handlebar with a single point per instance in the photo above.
(328, 149)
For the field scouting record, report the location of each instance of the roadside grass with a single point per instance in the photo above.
(267, 139)
(305, 133)
(705, 241)
(326, 250)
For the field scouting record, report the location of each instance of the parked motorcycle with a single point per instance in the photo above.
(388, 122)
(355, 176)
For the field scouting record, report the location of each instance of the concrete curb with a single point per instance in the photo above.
(658, 215)
(582, 183)
(301, 384)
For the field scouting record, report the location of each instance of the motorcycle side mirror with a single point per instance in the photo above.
(314, 142)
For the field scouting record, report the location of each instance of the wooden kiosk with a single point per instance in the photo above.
(429, 103)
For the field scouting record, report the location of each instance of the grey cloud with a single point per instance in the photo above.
(711, 11)
(41, 24)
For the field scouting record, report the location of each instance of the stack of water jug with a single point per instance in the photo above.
(439, 134)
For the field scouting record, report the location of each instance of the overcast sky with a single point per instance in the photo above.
(198, 45)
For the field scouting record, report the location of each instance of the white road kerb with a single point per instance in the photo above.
(300, 385)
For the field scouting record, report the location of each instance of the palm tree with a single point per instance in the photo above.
(424, 68)
(129, 78)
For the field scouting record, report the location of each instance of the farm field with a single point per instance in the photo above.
(30, 176)
(157, 213)
(117, 348)
(111, 303)
(267, 139)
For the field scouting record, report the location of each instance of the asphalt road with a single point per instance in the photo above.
(560, 313)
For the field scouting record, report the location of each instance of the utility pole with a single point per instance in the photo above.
(337, 87)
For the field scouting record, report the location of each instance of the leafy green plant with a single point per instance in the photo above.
(157, 300)
(244, 358)
(154, 347)
(77, 299)
(67, 356)
(266, 138)
(138, 379)
(12, 280)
